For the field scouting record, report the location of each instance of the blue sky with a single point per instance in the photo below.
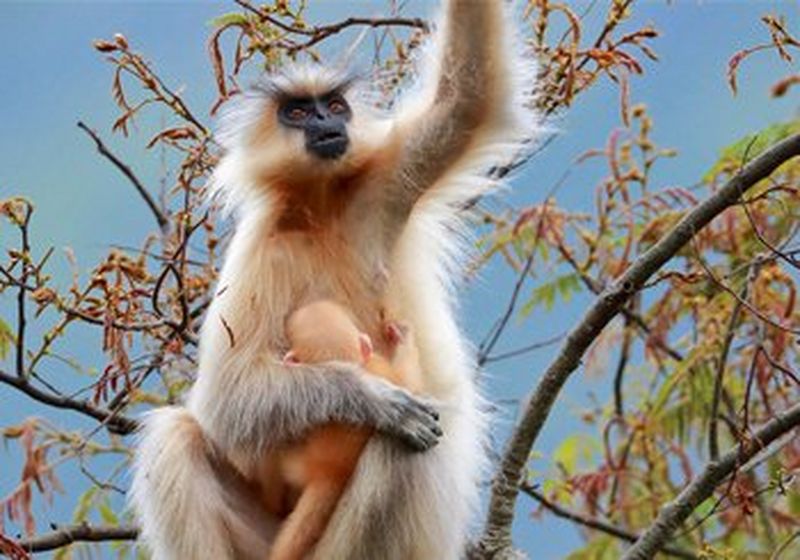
(51, 77)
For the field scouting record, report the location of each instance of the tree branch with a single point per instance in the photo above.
(322, 32)
(631, 316)
(596, 524)
(23, 281)
(496, 538)
(619, 376)
(702, 486)
(70, 534)
(162, 220)
(500, 326)
(116, 423)
(719, 384)
(325, 31)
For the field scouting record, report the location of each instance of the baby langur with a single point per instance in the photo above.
(320, 466)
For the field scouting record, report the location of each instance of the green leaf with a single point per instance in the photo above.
(107, 514)
(544, 251)
(558, 489)
(793, 501)
(6, 339)
(575, 450)
(85, 504)
(232, 18)
(568, 285)
(704, 509)
(750, 146)
(546, 294)
(563, 286)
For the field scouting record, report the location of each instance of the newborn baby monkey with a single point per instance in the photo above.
(318, 468)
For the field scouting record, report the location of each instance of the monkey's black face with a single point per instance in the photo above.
(323, 121)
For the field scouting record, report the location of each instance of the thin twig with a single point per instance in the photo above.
(144, 326)
(322, 32)
(619, 375)
(632, 317)
(523, 350)
(116, 423)
(747, 305)
(674, 513)
(162, 220)
(23, 279)
(512, 303)
(596, 524)
(787, 258)
(784, 546)
(713, 440)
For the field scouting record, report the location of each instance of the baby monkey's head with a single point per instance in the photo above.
(324, 331)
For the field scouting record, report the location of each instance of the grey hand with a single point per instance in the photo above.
(405, 416)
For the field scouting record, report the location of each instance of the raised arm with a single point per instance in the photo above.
(470, 111)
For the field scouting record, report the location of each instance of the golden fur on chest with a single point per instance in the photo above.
(298, 266)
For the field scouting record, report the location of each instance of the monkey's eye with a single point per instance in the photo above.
(297, 113)
(337, 106)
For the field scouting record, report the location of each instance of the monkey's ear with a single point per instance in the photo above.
(365, 344)
(291, 358)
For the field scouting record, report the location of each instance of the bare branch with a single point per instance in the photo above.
(322, 32)
(70, 534)
(126, 170)
(596, 524)
(115, 422)
(496, 538)
(503, 321)
(523, 349)
(325, 31)
(23, 280)
(702, 487)
(619, 376)
(730, 332)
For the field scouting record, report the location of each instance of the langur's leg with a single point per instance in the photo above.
(306, 524)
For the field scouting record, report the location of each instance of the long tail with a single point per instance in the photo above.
(189, 505)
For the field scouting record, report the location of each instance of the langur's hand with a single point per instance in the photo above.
(404, 416)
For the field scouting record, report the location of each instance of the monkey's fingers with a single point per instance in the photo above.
(429, 406)
(417, 423)
(423, 404)
(408, 404)
(417, 431)
(403, 415)
(417, 437)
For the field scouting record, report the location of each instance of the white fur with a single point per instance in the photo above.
(400, 505)
(201, 519)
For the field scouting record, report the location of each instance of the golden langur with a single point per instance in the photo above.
(337, 201)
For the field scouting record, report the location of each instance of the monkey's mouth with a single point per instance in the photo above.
(330, 144)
